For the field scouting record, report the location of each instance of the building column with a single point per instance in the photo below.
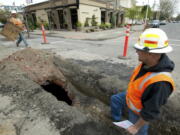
(114, 14)
(119, 19)
(32, 19)
(55, 17)
(122, 18)
(67, 17)
(107, 19)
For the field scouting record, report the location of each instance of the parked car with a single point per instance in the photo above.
(163, 22)
(1, 25)
(154, 24)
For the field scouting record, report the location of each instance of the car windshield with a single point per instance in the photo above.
(155, 21)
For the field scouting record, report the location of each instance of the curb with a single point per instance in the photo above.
(90, 39)
(98, 39)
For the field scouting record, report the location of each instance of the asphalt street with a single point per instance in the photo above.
(110, 48)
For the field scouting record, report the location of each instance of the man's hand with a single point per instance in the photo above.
(135, 128)
(132, 129)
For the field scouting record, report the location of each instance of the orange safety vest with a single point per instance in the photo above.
(137, 87)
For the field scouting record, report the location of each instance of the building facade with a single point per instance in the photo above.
(65, 14)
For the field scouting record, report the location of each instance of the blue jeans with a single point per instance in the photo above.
(21, 38)
(118, 104)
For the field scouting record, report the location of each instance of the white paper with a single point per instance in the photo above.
(123, 124)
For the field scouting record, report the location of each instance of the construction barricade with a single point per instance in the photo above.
(44, 35)
(126, 40)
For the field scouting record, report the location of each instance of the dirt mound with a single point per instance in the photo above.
(31, 107)
(37, 64)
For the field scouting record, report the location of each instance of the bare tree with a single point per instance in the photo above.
(167, 8)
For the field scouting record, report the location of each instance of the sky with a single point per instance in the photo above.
(145, 2)
(20, 2)
(17, 2)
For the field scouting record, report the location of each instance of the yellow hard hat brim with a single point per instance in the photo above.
(166, 49)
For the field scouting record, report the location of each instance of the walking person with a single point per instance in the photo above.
(18, 23)
(21, 38)
(150, 84)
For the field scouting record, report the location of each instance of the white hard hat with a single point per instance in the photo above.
(153, 40)
(13, 11)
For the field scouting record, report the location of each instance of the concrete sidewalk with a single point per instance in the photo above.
(101, 35)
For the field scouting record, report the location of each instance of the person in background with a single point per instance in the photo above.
(150, 84)
(18, 23)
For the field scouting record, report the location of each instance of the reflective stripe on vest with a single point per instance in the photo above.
(133, 107)
(152, 75)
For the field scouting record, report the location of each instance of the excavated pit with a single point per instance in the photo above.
(58, 91)
(44, 94)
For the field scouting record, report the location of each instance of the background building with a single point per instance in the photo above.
(65, 14)
(11, 8)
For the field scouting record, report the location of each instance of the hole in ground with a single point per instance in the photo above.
(58, 91)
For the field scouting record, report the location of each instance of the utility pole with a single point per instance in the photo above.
(27, 25)
(115, 8)
(116, 4)
(26, 22)
(146, 13)
(50, 19)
